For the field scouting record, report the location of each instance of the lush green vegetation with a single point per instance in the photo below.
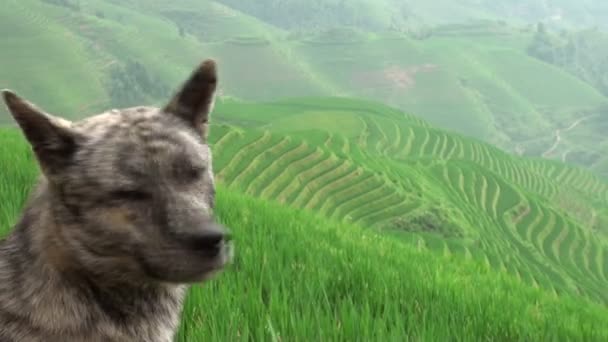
(475, 78)
(404, 15)
(543, 222)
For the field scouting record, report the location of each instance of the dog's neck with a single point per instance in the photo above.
(48, 289)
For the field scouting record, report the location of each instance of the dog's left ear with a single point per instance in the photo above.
(52, 139)
(194, 101)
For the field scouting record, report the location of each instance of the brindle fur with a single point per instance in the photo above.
(119, 223)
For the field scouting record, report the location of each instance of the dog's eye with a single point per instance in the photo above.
(189, 173)
(194, 172)
(130, 195)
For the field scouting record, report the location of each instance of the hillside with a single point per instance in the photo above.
(583, 54)
(408, 14)
(541, 221)
(473, 78)
(389, 218)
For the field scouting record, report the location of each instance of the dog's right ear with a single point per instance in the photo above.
(194, 100)
(52, 139)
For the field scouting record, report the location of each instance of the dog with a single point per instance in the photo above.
(119, 224)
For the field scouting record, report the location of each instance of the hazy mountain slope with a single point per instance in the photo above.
(583, 54)
(406, 14)
(41, 57)
(479, 86)
(474, 79)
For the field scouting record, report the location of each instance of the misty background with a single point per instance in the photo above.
(529, 76)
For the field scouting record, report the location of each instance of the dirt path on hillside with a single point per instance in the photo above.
(565, 155)
(558, 137)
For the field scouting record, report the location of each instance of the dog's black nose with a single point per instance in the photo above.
(208, 240)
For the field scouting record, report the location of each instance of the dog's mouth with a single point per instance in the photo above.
(221, 260)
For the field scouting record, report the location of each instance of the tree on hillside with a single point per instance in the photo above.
(73, 5)
(542, 46)
(130, 84)
(181, 31)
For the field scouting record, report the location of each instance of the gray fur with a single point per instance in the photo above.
(118, 225)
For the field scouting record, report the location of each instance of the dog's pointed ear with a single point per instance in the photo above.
(194, 101)
(51, 138)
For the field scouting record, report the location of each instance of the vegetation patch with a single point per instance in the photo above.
(427, 220)
(338, 36)
(131, 84)
(249, 40)
(73, 5)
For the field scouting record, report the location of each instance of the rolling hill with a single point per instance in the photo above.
(407, 14)
(541, 221)
(471, 78)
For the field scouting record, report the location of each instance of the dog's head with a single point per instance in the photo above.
(132, 190)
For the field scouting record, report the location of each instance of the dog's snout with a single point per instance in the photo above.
(210, 240)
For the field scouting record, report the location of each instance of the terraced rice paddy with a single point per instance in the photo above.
(397, 168)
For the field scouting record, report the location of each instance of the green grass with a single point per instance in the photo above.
(325, 284)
